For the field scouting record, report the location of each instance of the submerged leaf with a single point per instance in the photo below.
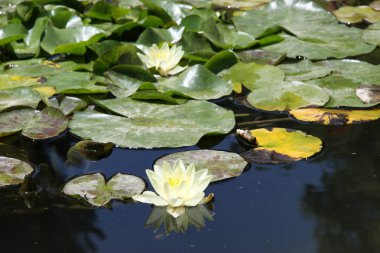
(335, 117)
(94, 189)
(89, 150)
(280, 145)
(152, 125)
(220, 164)
(13, 171)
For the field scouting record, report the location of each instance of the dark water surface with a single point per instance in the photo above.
(327, 204)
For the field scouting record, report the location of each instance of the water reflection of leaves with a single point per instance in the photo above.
(193, 216)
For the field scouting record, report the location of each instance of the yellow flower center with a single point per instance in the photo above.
(173, 182)
(160, 55)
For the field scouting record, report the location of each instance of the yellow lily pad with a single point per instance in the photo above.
(279, 145)
(335, 117)
(45, 91)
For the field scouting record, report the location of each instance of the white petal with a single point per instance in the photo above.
(195, 200)
(156, 182)
(176, 70)
(150, 198)
(176, 211)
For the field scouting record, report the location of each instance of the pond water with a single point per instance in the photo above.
(328, 203)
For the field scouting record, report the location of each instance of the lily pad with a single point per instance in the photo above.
(13, 171)
(50, 122)
(253, 75)
(12, 32)
(94, 189)
(14, 121)
(241, 4)
(22, 96)
(279, 145)
(319, 37)
(288, 96)
(371, 35)
(197, 82)
(70, 40)
(260, 56)
(152, 125)
(304, 70)
(220, 164)
(335, 117)
(69, 105)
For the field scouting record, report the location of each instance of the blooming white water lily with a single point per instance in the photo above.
(164, 59)
(176, 186)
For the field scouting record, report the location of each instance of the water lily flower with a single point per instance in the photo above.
(177, 187)
(164, 59)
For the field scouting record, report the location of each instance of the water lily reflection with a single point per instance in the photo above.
(192, 217)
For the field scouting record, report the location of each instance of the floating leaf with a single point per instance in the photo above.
(253, 75)
(12, 32)
(335, 117)
(347, 76)
(152, 125)
(241, 4)
(50, 122)
(14, 121)
(261, 57)
(152, 36)
(220, 61)
(94, 189)
(348, 14)
(369, 94)
(304, 70)
(226, 37)
(319, 37)
(19, 97)
(220, 164)
(371, 35)
(196, 82)
(89, 150)
(168, 10)
(69, 105)
(288, 96)
(13, 171)
(280, 145)
(70, 40)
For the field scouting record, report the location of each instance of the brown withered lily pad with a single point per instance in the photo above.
(335, 117)
(88, 150)
(220, 164)
(13, 171)
(279, 145)
(369, 94)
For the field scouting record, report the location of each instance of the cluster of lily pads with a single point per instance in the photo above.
(146, 74)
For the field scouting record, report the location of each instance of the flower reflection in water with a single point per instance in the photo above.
(192, 217)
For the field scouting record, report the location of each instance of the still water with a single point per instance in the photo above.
(327, 204)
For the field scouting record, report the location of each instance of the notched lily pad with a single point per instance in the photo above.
(220, 164)
(335, 117)
(94, 189)
(50, 122)
(13, 171)
(279, 145)
(89, 150)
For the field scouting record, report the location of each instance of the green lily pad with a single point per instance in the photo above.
(22, 96)
(69, 105)
(371, 35)
(94, 189)
(241, 4)
(226, 37)
(13, 171)
(220, 61)
(70, 40)
(253, 75)
(168, 10)
(152, 125)
(287, 96)
(12, 32)
(347, 76)
(304, 70)
(220, 164)
(50, 122)
(279, 145)
(319, 37)
(196, 82)
(260, 56)
(152, 36)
